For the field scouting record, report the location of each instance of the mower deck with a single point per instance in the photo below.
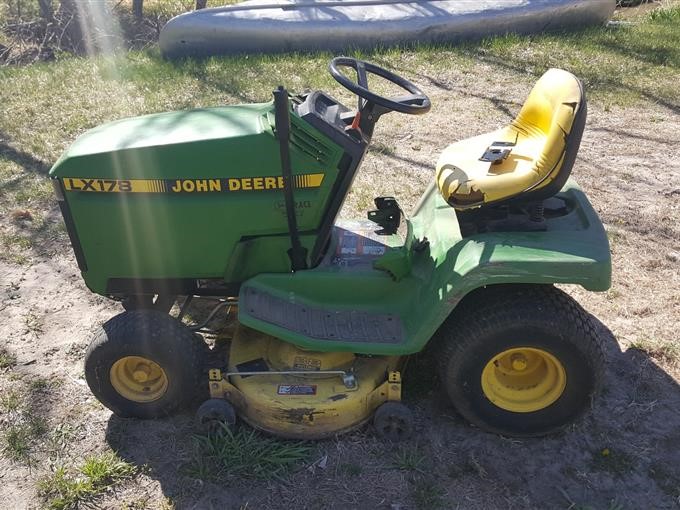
(319, 395)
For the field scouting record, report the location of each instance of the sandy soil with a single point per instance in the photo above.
(629, 169)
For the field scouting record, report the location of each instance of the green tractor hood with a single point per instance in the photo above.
(170, 198)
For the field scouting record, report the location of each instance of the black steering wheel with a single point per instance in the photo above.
(414, 103)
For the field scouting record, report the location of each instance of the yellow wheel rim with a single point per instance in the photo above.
(138, 379)
(523, 380)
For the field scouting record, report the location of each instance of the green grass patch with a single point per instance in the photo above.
(11, 401)
(617, 462)
(18, 439)
(16, 443)
(409, 459)
(64, 490)
(666, 15)
(22, 428)
(60, 437)
(426, 494)
(664, 351)
(245, 453)
(7, 359)
(13, 247)
(620, 65)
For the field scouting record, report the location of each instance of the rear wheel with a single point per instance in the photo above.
(520, 360)
(144, 364)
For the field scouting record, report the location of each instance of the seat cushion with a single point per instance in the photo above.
(541, 132)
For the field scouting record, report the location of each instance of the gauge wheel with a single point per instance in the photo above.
(145, 364)
(520, 360)
(214, 416)
(393, 421)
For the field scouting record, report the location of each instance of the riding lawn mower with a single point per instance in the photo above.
(236, 208)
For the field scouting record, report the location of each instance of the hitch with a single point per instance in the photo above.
(387, 215)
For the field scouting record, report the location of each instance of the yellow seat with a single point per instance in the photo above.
(546, 135)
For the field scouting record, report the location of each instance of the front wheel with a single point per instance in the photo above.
(144, 364)
(520, 360)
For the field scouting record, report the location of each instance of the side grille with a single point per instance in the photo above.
(310, 145)
(306, 143)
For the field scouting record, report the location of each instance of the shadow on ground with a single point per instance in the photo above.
(621, 453)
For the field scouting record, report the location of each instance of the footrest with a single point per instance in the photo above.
(322, 323)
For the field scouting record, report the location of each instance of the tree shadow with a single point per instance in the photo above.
(501, 104)
(607, 84)
(637, 136)
(24, 159)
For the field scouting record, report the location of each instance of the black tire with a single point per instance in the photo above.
(213, 415)
(493, 320)
(156, 337)
(393, 421)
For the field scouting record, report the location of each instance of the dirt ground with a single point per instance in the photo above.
(622, 455)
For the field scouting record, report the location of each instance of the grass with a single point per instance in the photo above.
(39, 384)
(617, 462)
(245, 453)
(467, 466)
(59, 438)
(14, 247)
(18, 439)
(34, 323)
(350, 469)
(665, 15)
(7, 359)
(22, 427)
(47, 105)
(409, 459)
(64, 490)
(10, 401)
(426, 494)
(664, 351)
(16, 443)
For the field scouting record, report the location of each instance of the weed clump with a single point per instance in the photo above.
(244, 453)
(63, 490)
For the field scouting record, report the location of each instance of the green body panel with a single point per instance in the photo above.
(146, 224)
(192, 235)
(574, 249)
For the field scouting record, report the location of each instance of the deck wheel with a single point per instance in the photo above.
(214, 415)
(393, 421)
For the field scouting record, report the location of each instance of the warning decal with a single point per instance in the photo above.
(296, 389)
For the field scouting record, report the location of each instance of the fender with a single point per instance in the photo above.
(574, 250)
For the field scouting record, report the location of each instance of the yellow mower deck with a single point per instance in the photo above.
(310, 405)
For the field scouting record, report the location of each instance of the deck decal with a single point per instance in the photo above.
(228, 184)
(296, 389)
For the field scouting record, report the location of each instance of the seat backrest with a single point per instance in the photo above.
(556, 110)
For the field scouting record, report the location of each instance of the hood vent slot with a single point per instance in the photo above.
(304, 142)
(309, 145)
